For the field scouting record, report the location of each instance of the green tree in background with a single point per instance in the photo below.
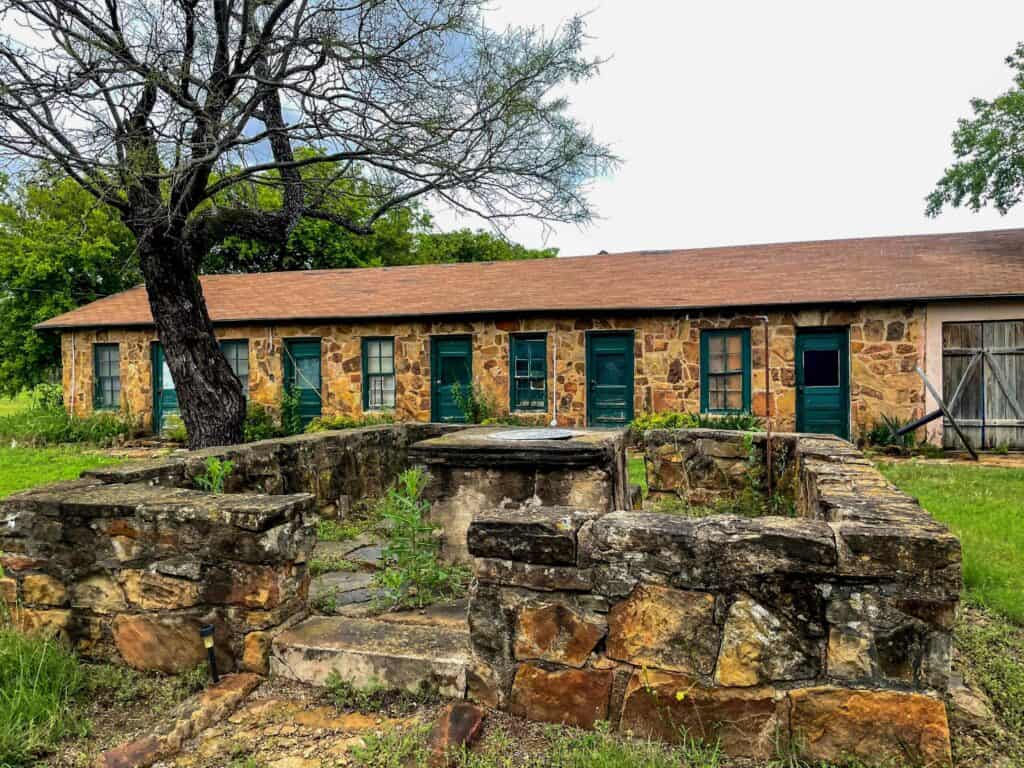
(989, 149)
(59, 249)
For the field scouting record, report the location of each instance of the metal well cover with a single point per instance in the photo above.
(544, 433)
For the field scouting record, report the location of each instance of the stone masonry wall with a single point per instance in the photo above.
(827, 635)
(337, 467)
(130, 572)
(886, 342)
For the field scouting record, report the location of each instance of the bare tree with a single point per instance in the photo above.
(174, 111)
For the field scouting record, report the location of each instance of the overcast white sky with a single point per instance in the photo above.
(750, 122)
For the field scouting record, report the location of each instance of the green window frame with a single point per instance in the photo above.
(528, 372)
(237, 353)
(378, 373)
(106, 377)
(725, 370)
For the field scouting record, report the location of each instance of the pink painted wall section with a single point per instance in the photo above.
(937, 313)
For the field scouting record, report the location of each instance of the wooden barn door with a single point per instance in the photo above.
(983, 382)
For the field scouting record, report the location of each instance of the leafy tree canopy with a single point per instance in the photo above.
(60, 248)
(989, 149)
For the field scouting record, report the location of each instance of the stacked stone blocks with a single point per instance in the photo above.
(827, 634)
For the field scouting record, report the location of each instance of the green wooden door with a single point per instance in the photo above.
(302, 375)
(823, 381)
(451, 363)
(165, 395)
(609, 379)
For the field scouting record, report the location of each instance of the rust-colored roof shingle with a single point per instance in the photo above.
(974, 264)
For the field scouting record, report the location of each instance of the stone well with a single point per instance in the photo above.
(827, 634)
(476, 470)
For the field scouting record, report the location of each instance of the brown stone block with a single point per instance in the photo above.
(577, 697)
(760, 647)
(745, 721)
(554, 632)
(665, 628)
(155, 592)
(8, 593)
(166, 644)
(99, 593)
(256, 653)
(839, 723)
(546, 578)
(40, 589)
(51, 623)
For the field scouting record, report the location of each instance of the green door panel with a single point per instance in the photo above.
(609, 379)
(451, 363)
(165, 395)
(823, 381)
(302, 375)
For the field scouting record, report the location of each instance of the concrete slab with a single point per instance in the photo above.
(368, 652)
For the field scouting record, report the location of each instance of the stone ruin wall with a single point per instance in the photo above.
(128, 562)
(827, 634)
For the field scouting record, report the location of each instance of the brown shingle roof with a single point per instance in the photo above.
(972, 264)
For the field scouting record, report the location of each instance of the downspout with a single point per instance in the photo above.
(73, 380)
(554, 377)
(767, 405)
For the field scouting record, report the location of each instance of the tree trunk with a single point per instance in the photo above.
(209, 396)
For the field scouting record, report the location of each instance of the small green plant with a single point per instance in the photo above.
(743, 422)
(291, 420)
(259, 423)
(324, 423)
(46, 397)
(413, 573)
(345, 694)
(883, 434)
(216, 473)
(318, 566)
(174, 429)
(476, 405)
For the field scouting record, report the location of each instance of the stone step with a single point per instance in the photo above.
(369, 652)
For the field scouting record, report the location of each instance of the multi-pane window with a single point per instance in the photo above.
(529, 386)
(237, 353)
(106, 377)
(378, 374)
(725, 371)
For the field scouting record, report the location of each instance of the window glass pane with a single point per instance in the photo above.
(166, 380)
(387, 356)
(821, 368)
(734, 360)
(529, 370)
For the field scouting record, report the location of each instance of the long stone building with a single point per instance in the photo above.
(830, 332)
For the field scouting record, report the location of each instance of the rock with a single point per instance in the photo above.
(540, 535)
(165, 644)
(52, 623)
(195, 715)
(665, 628)
(577, 697)
(556, 633)
(458, 726)
(369, 555)
(969, 705)
(256, 653)
(746, 721)
(758, 647)
(99, 593)
(545, 578)
(711, 552)
(8, 592)
(155, 592)
(40, 589)
(851, 653)
(835, 724)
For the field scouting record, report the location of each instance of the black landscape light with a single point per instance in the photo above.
(206, 633)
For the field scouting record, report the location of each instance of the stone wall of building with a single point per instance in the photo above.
(827, 635)
(130, 572)
(886, 343)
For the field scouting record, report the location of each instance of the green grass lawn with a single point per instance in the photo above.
(22, 468)
(984, 506)
(9, 405)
